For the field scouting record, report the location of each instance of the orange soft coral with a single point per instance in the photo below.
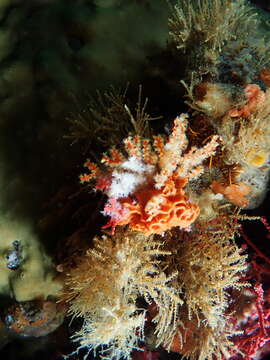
(235, 193)
(158, 210)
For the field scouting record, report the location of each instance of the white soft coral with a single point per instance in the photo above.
(128, 177)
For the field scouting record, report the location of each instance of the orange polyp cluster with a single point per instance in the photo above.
(255, 98)
(93, 172)
(148, 155)
(235, 193)
(159, 145)
(133, 146)
(116, 158)
(158, 210)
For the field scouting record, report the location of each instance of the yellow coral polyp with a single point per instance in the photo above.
(257, 159)
(158, 210)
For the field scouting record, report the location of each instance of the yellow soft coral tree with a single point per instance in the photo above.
(104, 289)
(184, 281)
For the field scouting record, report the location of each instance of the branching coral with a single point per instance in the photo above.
(146, 187)
(104, 289)
(254, 327)
(250, 309)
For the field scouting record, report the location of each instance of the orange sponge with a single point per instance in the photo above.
(154, 211)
